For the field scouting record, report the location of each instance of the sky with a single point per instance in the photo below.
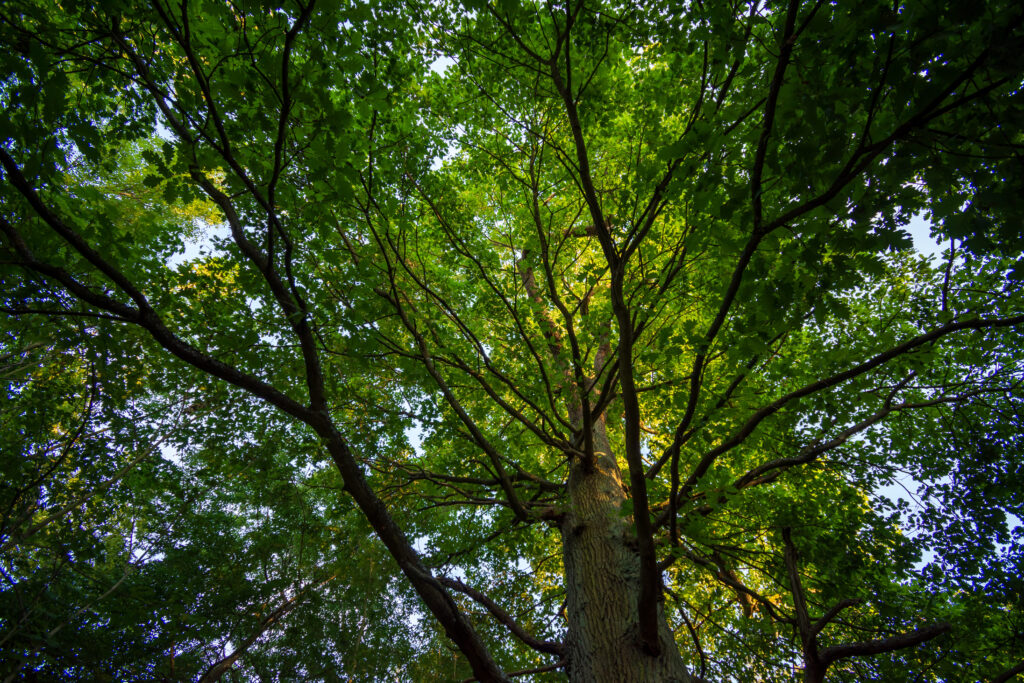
(919, 229)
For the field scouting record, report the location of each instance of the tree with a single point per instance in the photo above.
(603, 318)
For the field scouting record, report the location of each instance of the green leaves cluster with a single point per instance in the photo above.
(289, 198)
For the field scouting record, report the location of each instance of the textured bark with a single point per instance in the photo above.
(602, 583)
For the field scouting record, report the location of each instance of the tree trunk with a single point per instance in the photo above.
(602, 582)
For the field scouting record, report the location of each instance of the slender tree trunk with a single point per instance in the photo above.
(602, 582)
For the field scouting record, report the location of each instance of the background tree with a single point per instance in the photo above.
(602, 318)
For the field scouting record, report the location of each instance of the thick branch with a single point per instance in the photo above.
(1008, 674)
(873, 647)
(817, 662)
(435, 597)
(799, 604)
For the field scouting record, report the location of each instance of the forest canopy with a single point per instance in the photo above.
(511, 340)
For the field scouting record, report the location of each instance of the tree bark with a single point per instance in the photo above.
(602, 582)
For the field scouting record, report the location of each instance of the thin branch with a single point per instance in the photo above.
(502, 616)
(220, 667)
(526, 672)
(879, 359)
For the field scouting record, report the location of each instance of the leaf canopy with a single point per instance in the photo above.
(312, 308)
